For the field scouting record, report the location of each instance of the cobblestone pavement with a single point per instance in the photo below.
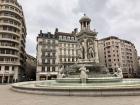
(9, 97)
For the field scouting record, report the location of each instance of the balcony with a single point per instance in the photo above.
(9, 17)
(13, 11)
(11, 4)
(10, 40)
(10, 32)
(9, 55)
(8, 72)
(8, 24)
(9, 47)
(9, 63)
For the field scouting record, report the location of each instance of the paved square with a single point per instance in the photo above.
(9, 97)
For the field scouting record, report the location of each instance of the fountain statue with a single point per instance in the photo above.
(61, 72)
(95, 77)
(118, 73)
(83, 74)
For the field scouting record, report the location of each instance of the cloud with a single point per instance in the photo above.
(47, 15)
(109, 17)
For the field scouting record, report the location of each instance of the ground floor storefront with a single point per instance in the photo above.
(7, 78)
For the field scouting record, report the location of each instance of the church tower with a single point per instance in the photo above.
(87, 42)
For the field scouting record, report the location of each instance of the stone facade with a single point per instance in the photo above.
(12, 42)
(53, 51)
(115, 52)
(47, 56)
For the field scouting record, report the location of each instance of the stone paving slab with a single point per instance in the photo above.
(8, 97)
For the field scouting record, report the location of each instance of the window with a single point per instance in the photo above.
(45, 60)
(43, 69)
(109, 55)
(53, 69)
(48, 69)
(68, 38)
(53, 61)
(60, 37)
(72, 38)
(72, 59)
(6, 67)
(60, 60)
(64, 37)
(48, 61)
(46, 53)
(68, 59)
(1, 59)
(108, 51)
(13, 68)
(112, 42)
(53, 54)
(109, 60)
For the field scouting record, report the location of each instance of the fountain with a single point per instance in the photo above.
(87, 77)
(83, 79)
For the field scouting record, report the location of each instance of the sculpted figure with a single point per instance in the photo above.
(83, 74)
(119, 73)
(61, 72)
(91, 53)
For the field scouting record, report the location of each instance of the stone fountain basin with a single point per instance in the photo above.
(52, 87)
(89, 80)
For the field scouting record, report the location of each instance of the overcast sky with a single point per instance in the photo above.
(119, 18)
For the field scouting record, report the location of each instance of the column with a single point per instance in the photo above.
(89, 26)
(8, 78)
(37, 77)
(16, 74)
(2, 70)
(46, 77)
(96, 51)
(2, 78)
(85, 48)
(50, 68)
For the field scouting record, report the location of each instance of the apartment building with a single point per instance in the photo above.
(12, 42)
(114, 52)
